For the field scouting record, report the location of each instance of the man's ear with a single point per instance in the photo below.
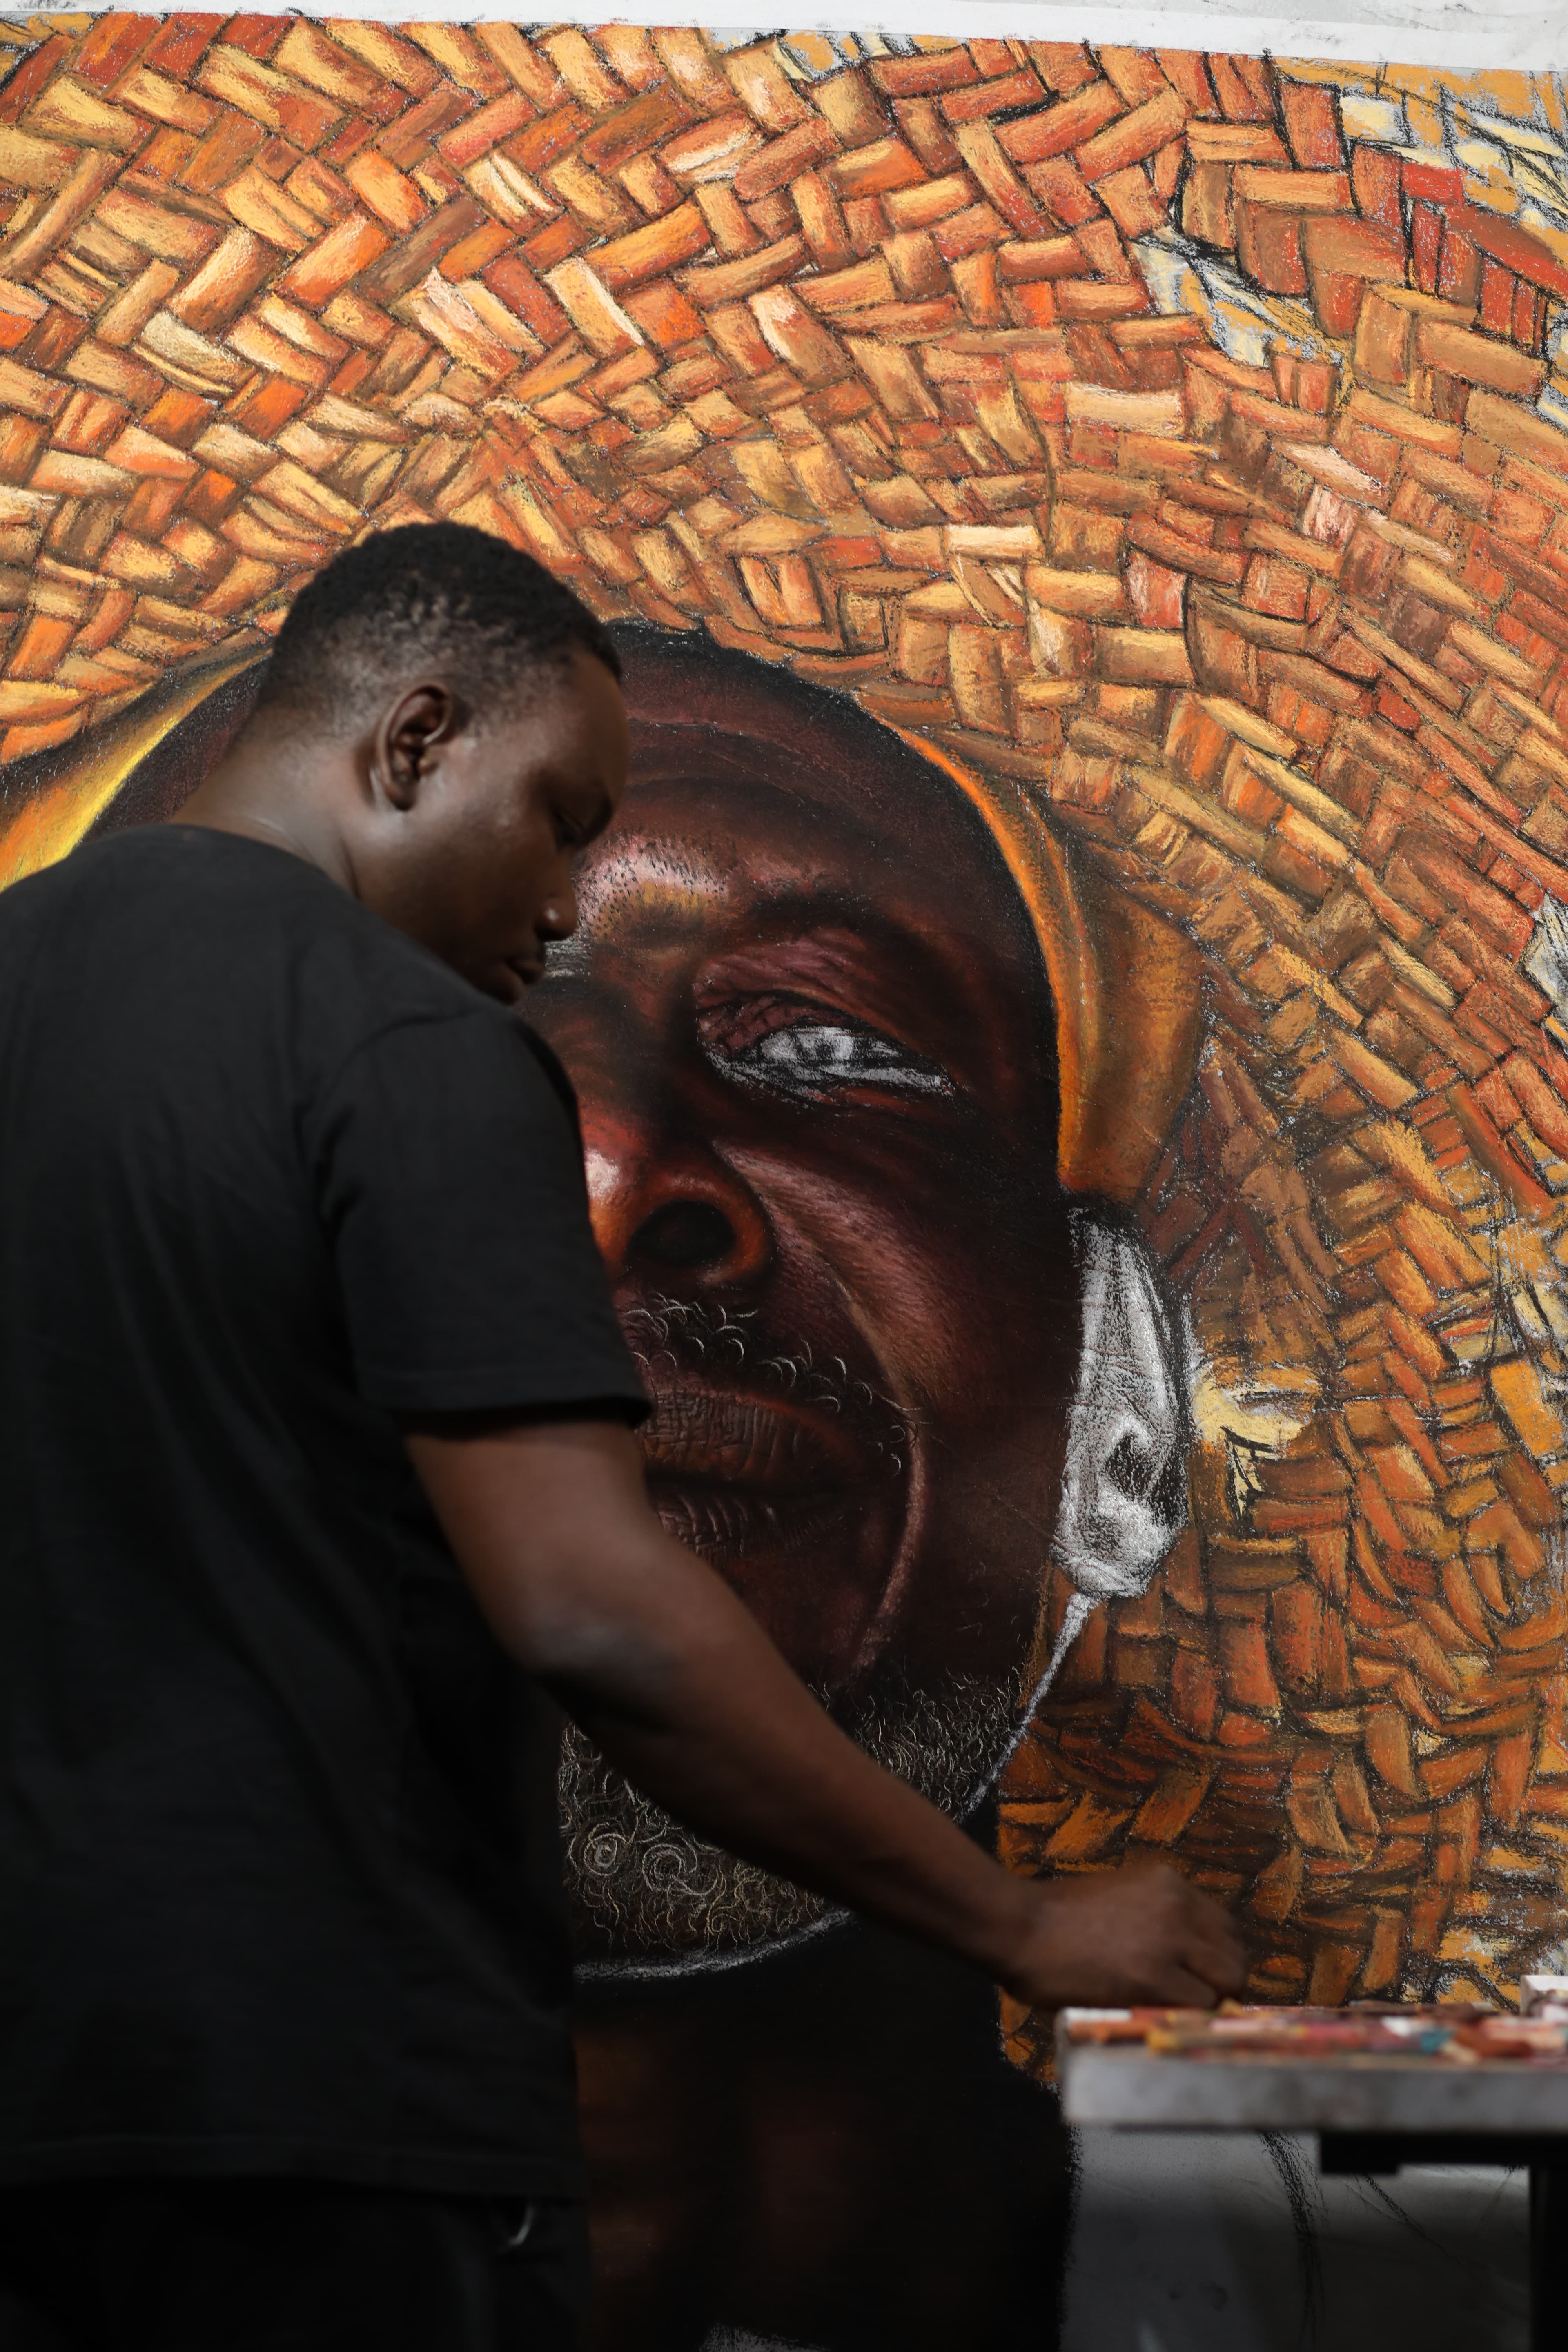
(408, 732)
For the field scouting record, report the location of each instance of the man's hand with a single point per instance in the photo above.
(1127, 1938)
(675, 1680)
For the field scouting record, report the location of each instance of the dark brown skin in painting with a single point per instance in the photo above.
(814, 1055)
(807, 1107)
(769, 2147)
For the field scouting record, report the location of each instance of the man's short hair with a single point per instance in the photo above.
(428, 597)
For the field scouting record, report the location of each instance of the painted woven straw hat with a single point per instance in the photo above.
(1168, 446)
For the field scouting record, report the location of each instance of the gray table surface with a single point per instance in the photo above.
(1125, 2086)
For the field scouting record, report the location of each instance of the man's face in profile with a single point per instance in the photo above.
(814, 1047)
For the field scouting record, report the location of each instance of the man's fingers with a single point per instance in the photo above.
(1178, 1988)
(1219, 1960)
(1210, 1927)
(1214, 1962)
(1143, 1934)
(1213, 1945)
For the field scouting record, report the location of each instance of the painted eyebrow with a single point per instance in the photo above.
(791, 918)
(825, 923)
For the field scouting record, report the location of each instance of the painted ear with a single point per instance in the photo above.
(1123, 1484)
(1124, 1489)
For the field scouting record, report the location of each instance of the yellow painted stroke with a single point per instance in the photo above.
(49, 826)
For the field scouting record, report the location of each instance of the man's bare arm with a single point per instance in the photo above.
(653, 1655)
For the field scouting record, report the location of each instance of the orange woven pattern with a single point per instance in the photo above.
(857, 366)
(722, 342)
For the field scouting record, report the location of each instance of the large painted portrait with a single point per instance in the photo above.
(1071, 1025)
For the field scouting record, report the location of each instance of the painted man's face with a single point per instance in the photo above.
(812, 1041)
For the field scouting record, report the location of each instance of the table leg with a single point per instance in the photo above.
(1548, 2258)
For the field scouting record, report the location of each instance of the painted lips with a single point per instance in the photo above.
(736, 1478)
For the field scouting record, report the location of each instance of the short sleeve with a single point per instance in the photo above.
(450, 1183)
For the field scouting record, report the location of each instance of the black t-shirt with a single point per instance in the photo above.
(279, 1888)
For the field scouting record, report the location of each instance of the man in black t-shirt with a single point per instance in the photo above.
(321, 1496)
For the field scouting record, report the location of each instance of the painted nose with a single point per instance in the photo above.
(659, 1212)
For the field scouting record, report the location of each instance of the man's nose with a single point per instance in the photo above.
(661, 1211)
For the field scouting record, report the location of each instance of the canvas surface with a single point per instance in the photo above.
(1101, 514)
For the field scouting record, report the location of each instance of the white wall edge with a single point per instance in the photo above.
(1453, 38)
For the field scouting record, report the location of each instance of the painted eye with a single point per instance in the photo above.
(820, 1056)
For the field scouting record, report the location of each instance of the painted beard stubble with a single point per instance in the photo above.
(646, 1893)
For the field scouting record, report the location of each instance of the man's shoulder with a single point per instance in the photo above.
(186, 875)
(178, 934)
(191, 868)
(193, 893)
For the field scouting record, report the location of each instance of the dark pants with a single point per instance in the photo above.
(284, 2266)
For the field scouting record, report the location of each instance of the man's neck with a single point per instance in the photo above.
(267, 789)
